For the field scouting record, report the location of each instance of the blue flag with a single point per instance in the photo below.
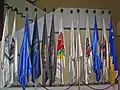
(25, 67)
(36, 70)
(97, 66)
(113, 46)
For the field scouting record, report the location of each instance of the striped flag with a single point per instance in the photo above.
(104, 52)
(88, 62)
(61, 53)
(4, 62)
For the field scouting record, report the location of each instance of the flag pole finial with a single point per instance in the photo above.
(78, 10)
(35, 9)
(94, 11)
(61, 10)
(71, 11)
(86, 11)
(26, 9)
(53, 10)
(16, 9)
(109, 12)
(102, 12)
(44, 10)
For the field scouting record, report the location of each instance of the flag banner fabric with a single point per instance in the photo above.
(97, 65)
(113, 57)
(44, 53)
(35, 52)
(72, 62)
(4, 62)
(104, 53)
(88, 61)
(61, 53)
(78, 49)
(13, 49)
(52, 53)
(25, 66)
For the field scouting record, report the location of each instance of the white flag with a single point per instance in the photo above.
(61, 53)
(4, 62)
(13, 55)
(88, 63)
(78, 50)
(72, 62)
(104, 52)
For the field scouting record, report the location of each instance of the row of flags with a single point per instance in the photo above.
(8, 57)
(99, 57)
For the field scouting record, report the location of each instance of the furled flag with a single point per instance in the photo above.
(13, 55)
(72, 62)
(4, 62)
(88, 62)
(61, 53)
(35, 52)
(97, 66)
(113, 57)
(52, 53)
(104, 52)
(25, 67)
(78, 49)
(44, 53)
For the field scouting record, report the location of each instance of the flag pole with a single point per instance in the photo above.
(35, 85)
(78, 57)
(60, 54)
(35, 10)
(60, 58)
(79, 74)
(71, 51)
(60, 71)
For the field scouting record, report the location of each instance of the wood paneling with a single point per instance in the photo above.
(1, 17)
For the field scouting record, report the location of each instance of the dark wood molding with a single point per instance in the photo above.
(32, 2)
(1, 17)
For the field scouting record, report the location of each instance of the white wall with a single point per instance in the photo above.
(67, 21)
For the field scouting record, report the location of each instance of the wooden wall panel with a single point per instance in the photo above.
(1, 17)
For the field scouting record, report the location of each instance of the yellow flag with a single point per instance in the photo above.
(112, 53)
(113, 74)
